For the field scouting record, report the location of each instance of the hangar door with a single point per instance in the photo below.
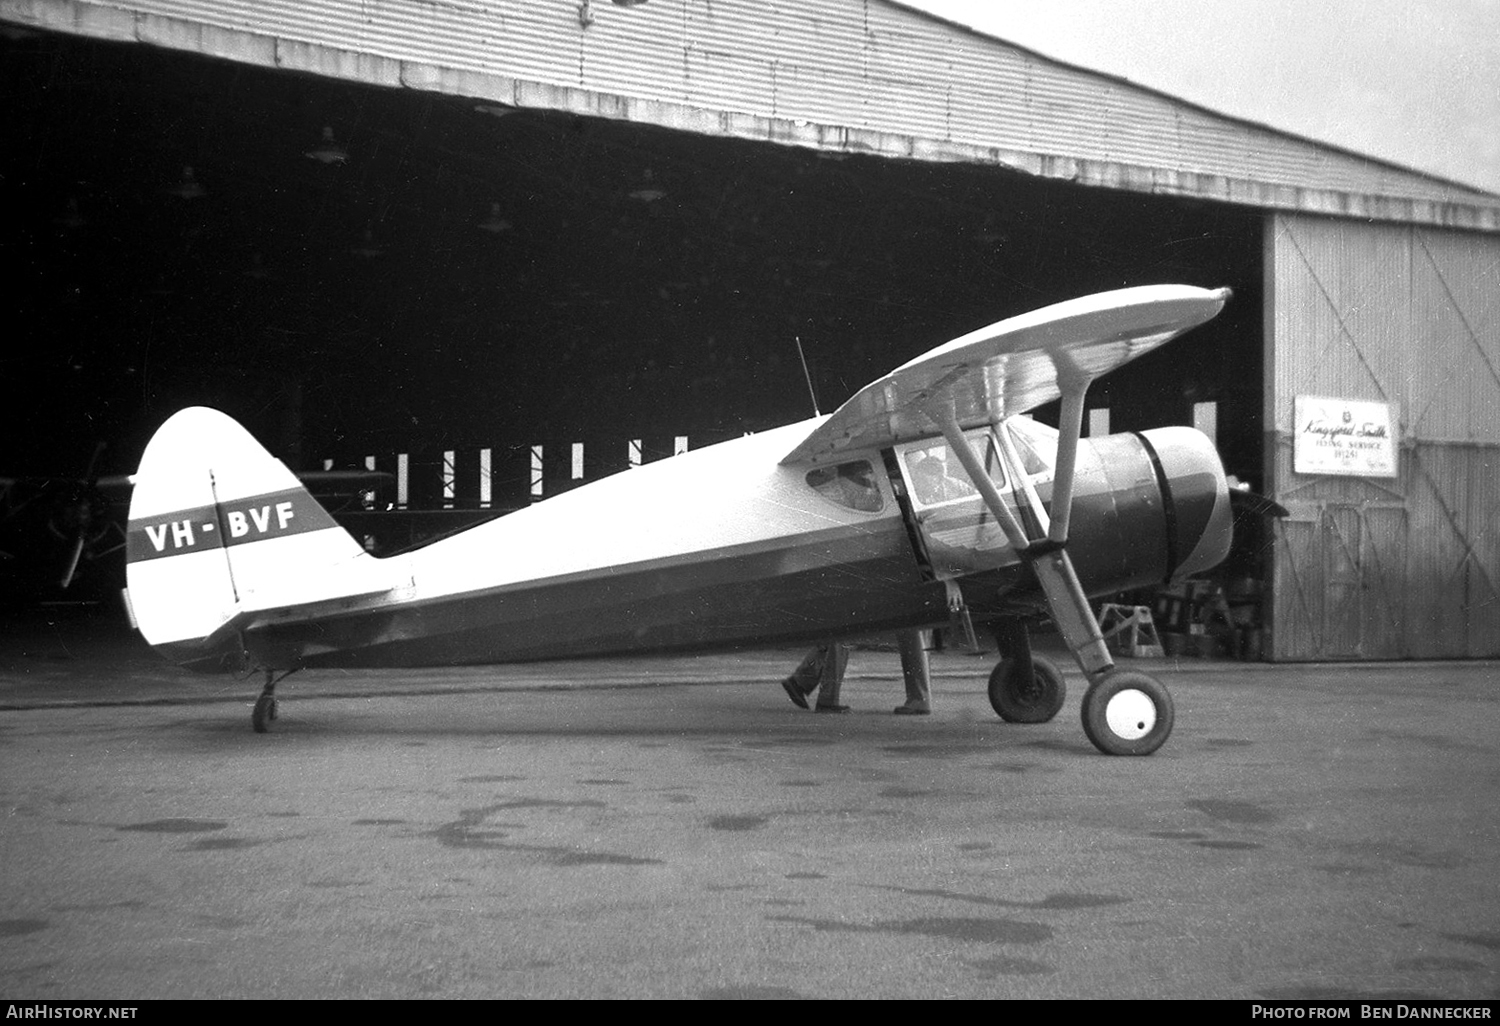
(1344, 567)
(1405, 563)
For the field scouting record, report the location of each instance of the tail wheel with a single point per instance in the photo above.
(1127, 712)
(263, 713)
(1018, 700)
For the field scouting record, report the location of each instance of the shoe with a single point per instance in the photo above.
(792, 692)
(913, 709)
(832, 708)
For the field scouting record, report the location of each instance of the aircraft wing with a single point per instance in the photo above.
(1012, 366)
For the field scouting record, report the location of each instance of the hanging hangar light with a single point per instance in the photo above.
(328, 151)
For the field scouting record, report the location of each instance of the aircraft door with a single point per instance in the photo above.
(960, 534)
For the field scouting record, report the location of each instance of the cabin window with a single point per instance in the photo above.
(936, 475)
(851, 485)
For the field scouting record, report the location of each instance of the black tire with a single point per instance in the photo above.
(263, 713)
(1017, 703)
(1127, 712)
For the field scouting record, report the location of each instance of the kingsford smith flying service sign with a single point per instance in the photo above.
(1343, 436)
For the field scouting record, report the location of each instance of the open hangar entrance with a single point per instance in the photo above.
(354, 271)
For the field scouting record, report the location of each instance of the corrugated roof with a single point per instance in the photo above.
(1229, 122)
(857, 76)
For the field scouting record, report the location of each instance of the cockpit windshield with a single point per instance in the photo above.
(937, 476)
(1036, 444)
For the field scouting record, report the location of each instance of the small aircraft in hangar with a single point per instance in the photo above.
(927, 496)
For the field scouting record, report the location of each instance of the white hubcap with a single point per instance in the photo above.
(1130, 714)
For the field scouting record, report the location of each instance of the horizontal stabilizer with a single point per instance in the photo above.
(1012, 366)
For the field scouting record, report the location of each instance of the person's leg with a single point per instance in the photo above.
(832, 680)
(916, 670)
(806, 677)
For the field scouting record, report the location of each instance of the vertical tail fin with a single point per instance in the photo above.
(220, 528)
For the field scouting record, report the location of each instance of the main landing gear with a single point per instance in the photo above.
(1125, 712)
(265, 706)
(1024, 688)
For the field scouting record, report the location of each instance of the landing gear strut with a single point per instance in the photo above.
(1125, 712)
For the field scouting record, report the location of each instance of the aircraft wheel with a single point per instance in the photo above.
(263, 713)
(1018, 703)
(1127, 712)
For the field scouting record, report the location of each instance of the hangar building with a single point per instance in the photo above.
(432, 227)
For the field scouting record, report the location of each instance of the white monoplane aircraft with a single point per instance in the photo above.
(925, 496)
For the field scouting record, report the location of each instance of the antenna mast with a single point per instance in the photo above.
(806, 374)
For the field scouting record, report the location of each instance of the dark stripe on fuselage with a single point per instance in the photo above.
(1169, 508)
(253, 519)
(844, 582)
(1117, 541)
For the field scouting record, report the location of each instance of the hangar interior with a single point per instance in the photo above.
(353, 270)
(440, 274)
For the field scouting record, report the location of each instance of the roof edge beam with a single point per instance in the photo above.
(244, 46)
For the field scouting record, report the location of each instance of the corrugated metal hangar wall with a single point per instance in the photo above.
(969, 179)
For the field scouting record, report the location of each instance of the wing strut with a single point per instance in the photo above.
(1069, 427)
(974, 467)
(1047, 557)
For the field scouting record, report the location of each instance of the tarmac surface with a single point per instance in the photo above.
(673, 827)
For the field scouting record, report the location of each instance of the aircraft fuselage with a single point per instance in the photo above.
(726, 547)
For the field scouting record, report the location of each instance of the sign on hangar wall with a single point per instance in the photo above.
(1344, 436)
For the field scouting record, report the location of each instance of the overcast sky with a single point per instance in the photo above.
(1412, 81)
